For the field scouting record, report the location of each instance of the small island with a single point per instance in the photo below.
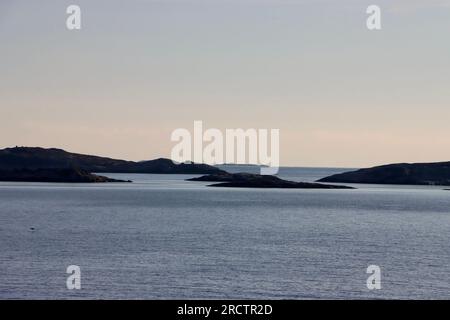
(248, 180)
(399, 174)
(68, 175)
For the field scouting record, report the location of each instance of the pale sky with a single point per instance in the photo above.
(340, 94)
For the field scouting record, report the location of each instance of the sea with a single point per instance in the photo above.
(162, 237)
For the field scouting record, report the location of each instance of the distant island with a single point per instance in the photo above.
(56, 165)
(437, 173)
(242, 165)
(248, 180)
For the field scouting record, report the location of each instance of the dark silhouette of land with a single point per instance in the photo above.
(56, 165)
(402, 173)
(38, 158)
(248, 180)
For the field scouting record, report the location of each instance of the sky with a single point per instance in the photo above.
(341, 95)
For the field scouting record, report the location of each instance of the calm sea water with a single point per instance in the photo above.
(163, 237)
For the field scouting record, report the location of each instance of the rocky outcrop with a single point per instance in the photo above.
(403, 173)
(248, 180)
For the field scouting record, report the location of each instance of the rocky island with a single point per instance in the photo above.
(249, 180)
(402, 173)
(56, 165)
